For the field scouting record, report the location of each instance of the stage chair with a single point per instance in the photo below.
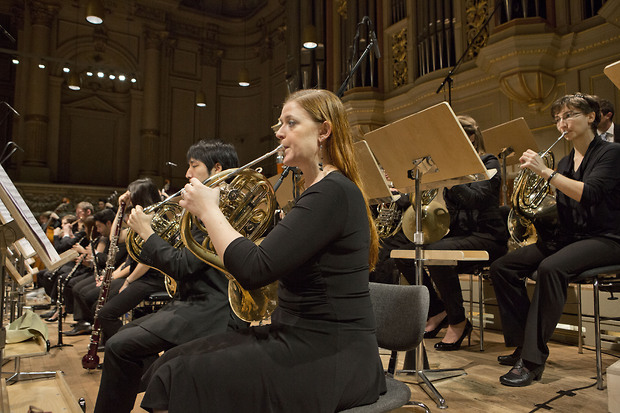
(603, 279)
(400, 313)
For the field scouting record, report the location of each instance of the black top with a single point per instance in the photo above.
(200, 306)
(320, 352)
(598, 213)
(474, 207)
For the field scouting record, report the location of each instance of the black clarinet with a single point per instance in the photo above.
(90, 360)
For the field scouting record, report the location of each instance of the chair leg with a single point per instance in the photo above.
(481, 310)
(597, 337)
(579, 322)
(471, 303)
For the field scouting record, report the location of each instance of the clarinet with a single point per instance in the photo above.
(90, 360)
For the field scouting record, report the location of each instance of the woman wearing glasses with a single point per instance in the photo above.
(588, 202)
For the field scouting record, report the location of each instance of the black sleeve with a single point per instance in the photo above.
(175, 262)
(476, 195)
(316, 219)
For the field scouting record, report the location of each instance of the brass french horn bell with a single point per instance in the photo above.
(435, 218)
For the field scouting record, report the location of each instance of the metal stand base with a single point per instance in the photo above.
(21, 375)
(426, 376)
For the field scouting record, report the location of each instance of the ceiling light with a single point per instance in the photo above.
(41, 64)
(112, 77)
(244, 77)
(121, 78)
(200, 99)
(89, 73)
(100, 74)
(94, 12)
(74, 82)
(133, 80)
(309, 40)
(15, 61)
(66, 69)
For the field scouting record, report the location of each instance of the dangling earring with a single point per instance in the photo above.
(321, 155)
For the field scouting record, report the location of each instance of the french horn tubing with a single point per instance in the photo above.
(247, 200)
(532, 202)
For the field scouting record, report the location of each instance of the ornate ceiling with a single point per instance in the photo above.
(226, 8)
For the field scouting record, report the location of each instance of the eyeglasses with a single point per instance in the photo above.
(567, 116)
(275, 128)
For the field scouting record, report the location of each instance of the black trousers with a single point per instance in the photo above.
(127, 355)
(446, 278)
(67, 291)
(119, 304)
(531, 324)
(82, 306)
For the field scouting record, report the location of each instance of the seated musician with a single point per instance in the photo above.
(85, 292)
(475, 224)
(320, 353)
(200, 307)
(587, 182)
(141, 281)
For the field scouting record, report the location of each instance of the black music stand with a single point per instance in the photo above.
(508, 141)
(426, 150)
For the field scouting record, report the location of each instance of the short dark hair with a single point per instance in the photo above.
(606, 107)
(581, 102)
(143, 192)
(104, 216)
(212, 151)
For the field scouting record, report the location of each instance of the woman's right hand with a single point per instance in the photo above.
(198, 199)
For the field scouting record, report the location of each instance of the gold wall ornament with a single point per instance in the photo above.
(399, 59)
(475, 16)
(530, 87)
(342, 9)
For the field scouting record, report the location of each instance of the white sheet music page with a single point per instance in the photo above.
(15, 200)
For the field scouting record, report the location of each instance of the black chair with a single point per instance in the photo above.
(400, 313)
(603, 279)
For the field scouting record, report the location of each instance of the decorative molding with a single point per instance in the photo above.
(42, 13)
(342, 9)
(475, 17)
(400, 70)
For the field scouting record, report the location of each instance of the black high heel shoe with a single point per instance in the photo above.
(441, 346)
(54, 317)
(433, 333)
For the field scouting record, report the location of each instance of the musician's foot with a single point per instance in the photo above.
(81, 328)
(49, 313)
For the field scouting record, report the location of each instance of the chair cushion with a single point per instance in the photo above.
(397, 395)
(588, 275)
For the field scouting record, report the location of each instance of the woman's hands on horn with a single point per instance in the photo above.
(532, 161)
(141, 222)
(199, 199)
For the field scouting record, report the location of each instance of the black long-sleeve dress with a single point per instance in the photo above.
(320, 353)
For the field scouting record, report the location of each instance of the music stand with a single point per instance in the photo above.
(428, 149)
(508, 141)
(18, 222)
(613, 73)
(376, 186)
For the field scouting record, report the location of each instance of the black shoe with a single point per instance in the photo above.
(81, 328)
(49, 313)
(54, 317)
(441, 346)
(510, 359)
(433, 333)
(521, 376)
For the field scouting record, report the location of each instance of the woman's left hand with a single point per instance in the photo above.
(532, 161)
(198, 198)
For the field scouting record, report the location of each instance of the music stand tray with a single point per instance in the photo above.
(428, 149)
(508, 141)
(375, 183)
(613, 73)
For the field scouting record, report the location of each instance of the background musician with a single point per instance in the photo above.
(200, 307)
(608, 130)
(319, 354)
(475, 224)
(588, 204)
(141, 281)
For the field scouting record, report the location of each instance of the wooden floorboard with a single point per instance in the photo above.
(478, 391)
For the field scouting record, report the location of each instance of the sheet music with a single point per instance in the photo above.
(26, 215)
(5, 215)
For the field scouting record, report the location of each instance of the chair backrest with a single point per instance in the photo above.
(400, 314)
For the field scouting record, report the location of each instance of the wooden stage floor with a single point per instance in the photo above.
(478, 391)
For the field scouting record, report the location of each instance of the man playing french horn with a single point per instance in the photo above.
(200, 306)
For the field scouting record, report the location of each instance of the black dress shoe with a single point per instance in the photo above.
(49, 313)
(80, 329)
(54, 317)
(521, 376)
(441, 346)
(433, 333)
(510, 359)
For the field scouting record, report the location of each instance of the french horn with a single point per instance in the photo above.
(435, 218)
(533, 203)
(248, 202)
